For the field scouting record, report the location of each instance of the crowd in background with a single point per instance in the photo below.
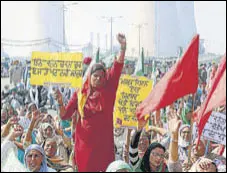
(29, 131)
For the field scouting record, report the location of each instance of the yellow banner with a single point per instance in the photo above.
(131, 92)
(63, 69)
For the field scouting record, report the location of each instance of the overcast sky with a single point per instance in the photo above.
(210, 21)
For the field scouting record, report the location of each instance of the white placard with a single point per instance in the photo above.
(215, 128)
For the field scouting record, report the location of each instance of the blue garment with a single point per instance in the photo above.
(21, 152)
(44, 167)
(66, 124)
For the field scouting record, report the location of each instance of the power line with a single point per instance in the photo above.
(24, 41)
(21, 45)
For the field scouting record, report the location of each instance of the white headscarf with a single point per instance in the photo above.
(182, 142)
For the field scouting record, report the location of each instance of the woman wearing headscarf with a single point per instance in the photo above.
(35, 159)
(119, 166)
(46, 131)
(94, 109)
(26, 120)
(152, 160)
(28, 137)
(183, 143)
(53, 160)
(9, 157)
(19, 143)
(196, 153)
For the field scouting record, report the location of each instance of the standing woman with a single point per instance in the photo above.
(94, 104)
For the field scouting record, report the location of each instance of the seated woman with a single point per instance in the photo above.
(19, 141)
(26, 120)
(25, 139)
(53, 160)
(46, 131)
(153, 159)
(44, 117)
(184, 142)
(35, 159)
(196, 153)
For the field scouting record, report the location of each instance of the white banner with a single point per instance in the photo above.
(215, 128)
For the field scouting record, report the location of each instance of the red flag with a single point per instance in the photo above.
(216, 97)
(182, 79)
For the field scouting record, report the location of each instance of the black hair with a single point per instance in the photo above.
(145, 164)
(96, 67)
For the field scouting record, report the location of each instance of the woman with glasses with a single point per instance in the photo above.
(55, 161)
(197, 153)
(35, 159)
(184, 142)
(154, 157)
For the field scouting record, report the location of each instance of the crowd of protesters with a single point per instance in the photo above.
(33, 139)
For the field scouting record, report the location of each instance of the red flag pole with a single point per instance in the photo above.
(191, 129)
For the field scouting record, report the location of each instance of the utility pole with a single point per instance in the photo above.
(111, 20)
(98, 40)
(64, 8)
(106, 42)
(139, 26)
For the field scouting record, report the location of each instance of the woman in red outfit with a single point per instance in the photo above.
(93, 105)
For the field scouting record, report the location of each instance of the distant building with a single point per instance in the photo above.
(170, 25)
(202, 46)
(44, 22)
